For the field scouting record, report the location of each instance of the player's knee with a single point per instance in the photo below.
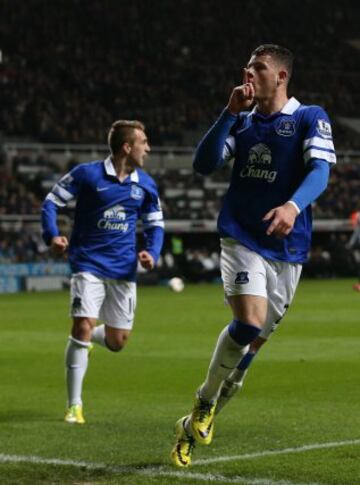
(252, 315)
(243, 333)
(82, 328)
(253, 318)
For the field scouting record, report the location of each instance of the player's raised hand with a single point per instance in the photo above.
(59, 245)
(242, 96)
(146, 260)
(282, 220)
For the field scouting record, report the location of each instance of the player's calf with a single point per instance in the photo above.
(116, 338)
(235, 380)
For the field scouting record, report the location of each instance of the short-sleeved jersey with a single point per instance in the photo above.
(271, 156)
(103, 240)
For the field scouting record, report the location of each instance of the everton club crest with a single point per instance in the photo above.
(285, 127)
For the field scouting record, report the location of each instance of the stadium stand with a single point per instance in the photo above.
(64, 82)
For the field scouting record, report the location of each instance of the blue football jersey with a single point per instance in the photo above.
(103, 240)
(270, 155)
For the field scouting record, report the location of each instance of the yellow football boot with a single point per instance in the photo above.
(181, 453)
(74, 415)
(202, 420)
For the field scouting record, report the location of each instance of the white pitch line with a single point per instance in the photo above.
(300, 449)
(216, 477)
(38, 460)
(153, 472)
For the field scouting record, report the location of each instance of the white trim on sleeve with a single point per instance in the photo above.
(152, 216)
(55, 199)
(62, 193)
(154, 224)
(229, 148)
(318, 142)
(319, 154)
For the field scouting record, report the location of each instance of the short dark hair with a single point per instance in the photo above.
(123, 131)
(281, 54)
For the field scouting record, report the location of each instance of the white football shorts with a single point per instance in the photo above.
(111, 301)
(245, 272)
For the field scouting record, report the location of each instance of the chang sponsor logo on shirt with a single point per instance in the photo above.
(114, 219)
(259, 164)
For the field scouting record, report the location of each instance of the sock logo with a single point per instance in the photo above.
(76, 304)
(242, 278)
(276, 323)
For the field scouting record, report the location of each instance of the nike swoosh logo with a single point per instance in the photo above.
(101, 189)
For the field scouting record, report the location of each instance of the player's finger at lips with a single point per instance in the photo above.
(248, 89)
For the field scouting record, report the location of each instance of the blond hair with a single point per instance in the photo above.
(123, 131)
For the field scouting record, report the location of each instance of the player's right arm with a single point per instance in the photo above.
(217, 147)
(66, 189)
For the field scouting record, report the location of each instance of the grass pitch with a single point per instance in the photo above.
(302, 389)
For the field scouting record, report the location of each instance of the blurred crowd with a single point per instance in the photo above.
(15, 198)
(22, 245)
(341, 197)
(77, 66)
(184, 195)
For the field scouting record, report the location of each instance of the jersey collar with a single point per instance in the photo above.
(288, 109)
(109, 167)
(110, 170)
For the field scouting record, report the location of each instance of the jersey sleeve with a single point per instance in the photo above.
(67, 188)
(153, 222)
(63, 191)
(216, 146)
(318, 141)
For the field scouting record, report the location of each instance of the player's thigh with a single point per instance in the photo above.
(244, 277)
(87, 294)
(118, 309)
(281, 290)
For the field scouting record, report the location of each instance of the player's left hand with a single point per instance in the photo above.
(146, 260)
(282, 220)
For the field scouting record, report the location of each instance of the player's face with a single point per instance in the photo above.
(139, 149)
(262, 72)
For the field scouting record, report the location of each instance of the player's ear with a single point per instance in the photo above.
(126, 147)
(282, 77)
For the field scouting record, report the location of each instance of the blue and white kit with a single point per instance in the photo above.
(277, 158)
(103, 240)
